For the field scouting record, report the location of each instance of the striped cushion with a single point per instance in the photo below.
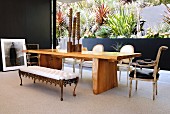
(49, 73)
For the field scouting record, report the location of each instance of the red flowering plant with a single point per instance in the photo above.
(61, 25)
(101, 14)
(100, 29)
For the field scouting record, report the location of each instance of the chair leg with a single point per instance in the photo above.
(136, 85)
(119, 75)
(130, 89)
(61, 85)
(74, 94)
(80, 69)
(73, 67)
(127, 77)
(154, 87)
(20, 77)
(62, 63)
(63, 66)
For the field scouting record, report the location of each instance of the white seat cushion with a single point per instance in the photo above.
(49, 73)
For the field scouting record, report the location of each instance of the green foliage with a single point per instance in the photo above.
(103, 32)
(90, 12)
(117, 46)
(122, 23)
(154, 36)
(151, 34)
(167, 15)
(61, 24)
(158, 2)
(163, 27)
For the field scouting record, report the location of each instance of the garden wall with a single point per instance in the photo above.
(148, 47)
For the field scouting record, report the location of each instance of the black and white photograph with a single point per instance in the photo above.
(12, 56)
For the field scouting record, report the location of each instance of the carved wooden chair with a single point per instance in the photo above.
(146, 74)
(88, 63)
(125, 64)
(32, 58)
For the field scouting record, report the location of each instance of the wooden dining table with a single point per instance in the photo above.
(104, 68)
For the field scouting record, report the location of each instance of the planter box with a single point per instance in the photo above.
(147, 46)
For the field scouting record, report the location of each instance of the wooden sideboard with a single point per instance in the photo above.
(50, 61)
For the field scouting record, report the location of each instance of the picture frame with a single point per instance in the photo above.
(12, 56)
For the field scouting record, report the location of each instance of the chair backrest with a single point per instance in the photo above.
(98, 48)
(84, 49)
(156, 69)
(32, 46)
(127, 49)
(32, 58)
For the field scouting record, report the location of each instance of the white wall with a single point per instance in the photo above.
(153, 15)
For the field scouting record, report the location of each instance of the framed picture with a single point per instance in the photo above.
(12, 56)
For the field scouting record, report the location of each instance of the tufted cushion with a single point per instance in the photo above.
(49, 73)
(144, 74)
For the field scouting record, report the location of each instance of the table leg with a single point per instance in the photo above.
(104, 74)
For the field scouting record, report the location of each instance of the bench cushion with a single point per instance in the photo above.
(49, 72)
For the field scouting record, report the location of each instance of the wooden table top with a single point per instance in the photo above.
(86, 54)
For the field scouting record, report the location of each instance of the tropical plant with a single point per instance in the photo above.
(93, 14)
(122, 22)
(117, 46)
(151, 34)
(126, 1)
(163, 28)
(60, 18)
(87, 21)
(103, 32)
(61, 24)
(101, 14)
(167, 15)
(157, 2)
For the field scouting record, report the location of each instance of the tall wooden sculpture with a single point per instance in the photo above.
(73, 32)
(69, 43)
(78, 45)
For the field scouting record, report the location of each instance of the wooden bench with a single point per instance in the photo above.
(48, 75)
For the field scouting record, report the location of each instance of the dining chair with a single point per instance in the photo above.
(144, 74)
(125, 64)
(73, 61)
(88, 63)
(32, 58)
(70, 61)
